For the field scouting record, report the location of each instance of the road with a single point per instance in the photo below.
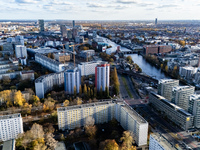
(173, 134)
(123, 91)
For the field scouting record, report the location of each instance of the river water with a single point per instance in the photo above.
(146, 67)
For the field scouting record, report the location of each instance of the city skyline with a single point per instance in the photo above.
(100, 10)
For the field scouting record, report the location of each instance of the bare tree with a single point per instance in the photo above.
(50, 141)
(89, 121)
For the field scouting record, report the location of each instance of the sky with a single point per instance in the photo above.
(100, 9)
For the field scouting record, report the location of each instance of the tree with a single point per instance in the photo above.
(66, 103)
(115, 81)
(37, 131)
(161, 66)
(89, 95)
(107, 92)
(85, 91)
(91, 131)
(80, 91)
(101, 92)
(109, 145)
(95, 92)
(36, 100)
(75, 91)
(182, 43)
(6, 80)
(19, 99)
(27, 108)
(166, 68)
(127, 140)
(50, 141)
(48, 104)
(78, 101)
(89, 121)
(129, 59)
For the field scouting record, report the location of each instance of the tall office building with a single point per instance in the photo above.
(20, 51)
(10, 126)
(156, 21)
(72, 79)
(102, 76)
(181, 95)
(194, 108)
(41, 25)
(63, 30)
(73, 23)
(165, 87)
(159, 142)
(75, 116)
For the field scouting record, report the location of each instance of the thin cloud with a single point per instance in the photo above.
(127, 1)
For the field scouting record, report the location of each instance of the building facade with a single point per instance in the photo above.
(62, 57)
(187, 72)
(181, 95)
(46, 83)
(159, 142)
(11, 126)
(20, 51)
(173, 112)
(75, 116)
(41, 25)
(194, 108)
(88, 68)
(49, 63)
(102, 76)
(165, 87)
(72, 80)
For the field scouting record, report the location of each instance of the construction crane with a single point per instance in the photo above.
(74, 51)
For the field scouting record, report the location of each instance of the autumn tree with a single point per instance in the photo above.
(35, 100)
(48, 104)
(27, 108)
(85, 91)
(95, 92)
(75, 91)
(115, 81)
(109, 145)
(89, 95)
(80, 91)
(19, 99)
(166, 68)
(66, 103)
(50, 141)
(78, 101)
(127, 140)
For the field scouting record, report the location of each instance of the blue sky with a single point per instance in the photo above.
(100, 9)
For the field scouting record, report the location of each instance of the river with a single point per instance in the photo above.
(146, 67)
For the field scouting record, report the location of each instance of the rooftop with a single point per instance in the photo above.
(168, 80)
(175, 107)
(9, 145)
(181, 88)
(127, 108)
(163, 141)
(10, 116)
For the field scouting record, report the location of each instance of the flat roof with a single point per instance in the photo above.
(9, 145)
(10, 116)
(127, 108)
(167, 80)
(175, 107)
(163, 141)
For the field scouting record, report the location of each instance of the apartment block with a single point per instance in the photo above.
(74, 116)
(11, 126)
(194, 109)
(49, 63)
(46, 83)
(173, 112)
(72, 79)
(159, 142)
(20, 51)
(88, 68)
(181, 95)
(165, 87)
(187, 72)
(102, 76)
